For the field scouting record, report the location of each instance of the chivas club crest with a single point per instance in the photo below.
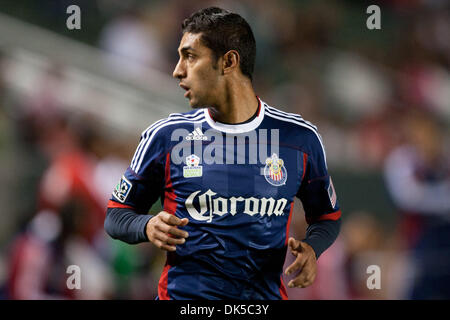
(274, 171)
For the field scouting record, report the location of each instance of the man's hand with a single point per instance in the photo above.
(162, 231)
(305, 263)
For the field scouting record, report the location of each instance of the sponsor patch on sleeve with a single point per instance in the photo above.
(332, 194)
(122, 190)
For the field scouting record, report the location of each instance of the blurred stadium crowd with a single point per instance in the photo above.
(381, 100)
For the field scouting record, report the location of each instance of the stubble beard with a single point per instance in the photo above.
(198, 105)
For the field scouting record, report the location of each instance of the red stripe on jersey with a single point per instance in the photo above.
(330, 216)
(305, 161)
(163, 294)
(283, 291)
(114, 204)
(170, 203)
(289, 223)
(210, 115)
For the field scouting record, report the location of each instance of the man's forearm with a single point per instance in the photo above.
(126, 225)
(320, 235)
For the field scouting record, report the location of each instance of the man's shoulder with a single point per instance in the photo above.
(174, 120)
(182, 117)
(189, 113)
(293, 121)
(156, 140)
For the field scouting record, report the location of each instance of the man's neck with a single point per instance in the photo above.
(239, 105)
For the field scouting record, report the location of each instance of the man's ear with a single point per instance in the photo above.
(230, 61)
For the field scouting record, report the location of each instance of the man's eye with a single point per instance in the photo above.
(190, 56)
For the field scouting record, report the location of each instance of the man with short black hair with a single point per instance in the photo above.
(227, 199)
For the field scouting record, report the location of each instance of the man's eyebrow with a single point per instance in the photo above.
(186, 48)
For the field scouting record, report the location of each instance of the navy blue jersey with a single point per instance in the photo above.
(236, 184)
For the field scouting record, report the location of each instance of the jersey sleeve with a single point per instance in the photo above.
(316, 191)
(143, 181)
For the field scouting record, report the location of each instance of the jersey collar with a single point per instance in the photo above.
(237, 128)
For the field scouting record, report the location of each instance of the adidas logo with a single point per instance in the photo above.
(197, 134)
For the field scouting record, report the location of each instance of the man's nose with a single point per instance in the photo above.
(179, 71)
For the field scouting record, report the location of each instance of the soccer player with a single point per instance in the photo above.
(227, 173)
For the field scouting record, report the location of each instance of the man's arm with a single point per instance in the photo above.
(322, 213)
(322, 234)
(126, 225)
(126, 214)
(127, 219)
